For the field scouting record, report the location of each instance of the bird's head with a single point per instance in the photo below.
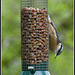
(58, 50)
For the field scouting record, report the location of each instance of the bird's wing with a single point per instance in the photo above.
(52, 29)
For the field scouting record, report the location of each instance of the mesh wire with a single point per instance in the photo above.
(35, 3)
(34, 35)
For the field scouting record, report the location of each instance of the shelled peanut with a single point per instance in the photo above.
(34, 35)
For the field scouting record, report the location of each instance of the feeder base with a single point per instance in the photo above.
(36, 73)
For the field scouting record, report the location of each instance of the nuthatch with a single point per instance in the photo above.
(54, 41)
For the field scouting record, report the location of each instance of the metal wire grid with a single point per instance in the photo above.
(40, 4)
(35, 3)
(37, 67)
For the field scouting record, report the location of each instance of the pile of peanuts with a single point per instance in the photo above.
(34, 35)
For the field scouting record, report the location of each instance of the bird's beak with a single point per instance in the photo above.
(55, 55)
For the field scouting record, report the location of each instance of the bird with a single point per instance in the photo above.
(54, 42)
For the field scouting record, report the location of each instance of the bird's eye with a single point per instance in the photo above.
(59, 52)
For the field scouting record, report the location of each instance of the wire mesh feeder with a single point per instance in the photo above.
(34, 35)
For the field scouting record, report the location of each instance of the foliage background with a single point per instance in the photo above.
(61, 12)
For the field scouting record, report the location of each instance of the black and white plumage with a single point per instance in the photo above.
(54, 41)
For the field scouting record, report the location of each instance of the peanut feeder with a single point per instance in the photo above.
(34, 36)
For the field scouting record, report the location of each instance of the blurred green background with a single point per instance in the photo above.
(61, 12)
